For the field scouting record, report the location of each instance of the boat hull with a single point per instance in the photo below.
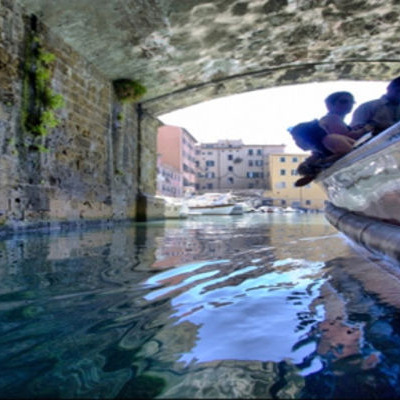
(367, 181)
(363, 189)
(175, 211)
(220, 209)
(379, 238)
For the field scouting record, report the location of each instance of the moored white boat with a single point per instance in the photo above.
(214, 204)
(175, 208)
(363, 189)
(217, 209)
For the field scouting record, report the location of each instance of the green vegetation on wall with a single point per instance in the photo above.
(39, 100)
(128, 91)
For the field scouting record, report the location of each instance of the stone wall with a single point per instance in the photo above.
(149, 207)
(12, 34)
(87, 169)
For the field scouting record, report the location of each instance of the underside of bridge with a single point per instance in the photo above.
(100, 157)
(220, 47)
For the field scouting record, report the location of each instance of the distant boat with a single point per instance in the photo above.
(175, 208)
(363, 188)
(214, 204)
(271, 209)
(290, 210)
(216, 209)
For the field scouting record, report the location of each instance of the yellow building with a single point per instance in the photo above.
(281, 173)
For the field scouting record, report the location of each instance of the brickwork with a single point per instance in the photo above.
(11, 50)
(147, 172)
(78, 167)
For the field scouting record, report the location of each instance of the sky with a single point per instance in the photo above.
(263, 116)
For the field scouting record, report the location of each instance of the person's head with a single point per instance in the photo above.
(340, 102)
(393, 90)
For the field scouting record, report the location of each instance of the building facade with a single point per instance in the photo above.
(281, 174)
(169, 180)
(176, 149)
(231, 165)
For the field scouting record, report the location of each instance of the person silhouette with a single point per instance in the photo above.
(380, 113)
(340, 137)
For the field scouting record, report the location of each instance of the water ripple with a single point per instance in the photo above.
(235, 307)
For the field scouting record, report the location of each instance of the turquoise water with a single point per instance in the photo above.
(253, 306)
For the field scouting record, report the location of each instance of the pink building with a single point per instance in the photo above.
(169, 180)
(176, 147)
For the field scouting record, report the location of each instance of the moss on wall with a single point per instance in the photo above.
(128, 91)
(39, 101)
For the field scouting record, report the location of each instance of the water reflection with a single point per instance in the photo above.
(225, 307)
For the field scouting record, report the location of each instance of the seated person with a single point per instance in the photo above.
(380, 113)
(340, 137)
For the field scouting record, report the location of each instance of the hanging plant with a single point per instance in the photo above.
(128, 91)
(39, 100)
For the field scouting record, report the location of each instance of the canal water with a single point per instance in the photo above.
(252, 306)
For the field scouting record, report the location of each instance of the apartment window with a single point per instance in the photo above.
(259, 163)
(255, 174)
(283, 202)
(209, 163)
(282, 172)
(308, 202)
(230, 157)
(230, 169)
(282, 159)
(250, 152)
(230, 180)
(259, 152)
(209, 185)
(210, 175)
(295, 159)
(294, 172)
(250, 163)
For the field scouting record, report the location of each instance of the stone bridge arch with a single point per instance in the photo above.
(101, 166)
(200, 49)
